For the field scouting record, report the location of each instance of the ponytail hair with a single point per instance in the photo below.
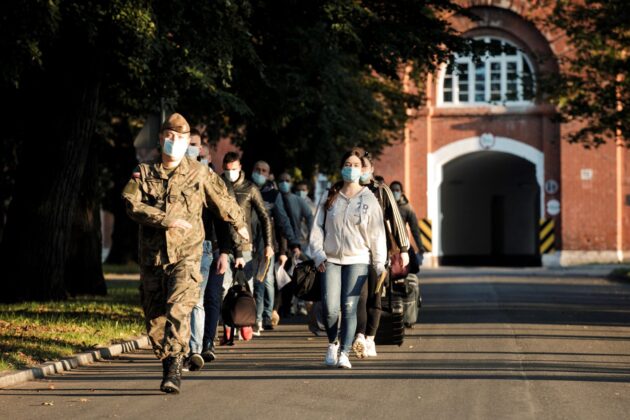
(333, 192)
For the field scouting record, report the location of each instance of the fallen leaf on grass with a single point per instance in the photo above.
(48, 403)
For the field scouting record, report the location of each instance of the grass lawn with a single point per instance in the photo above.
(35, 332)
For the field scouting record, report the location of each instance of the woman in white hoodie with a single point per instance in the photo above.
(347, 236)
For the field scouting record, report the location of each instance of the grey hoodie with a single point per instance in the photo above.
(354, 231)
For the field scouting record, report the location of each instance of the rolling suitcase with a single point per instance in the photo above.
(392, 328)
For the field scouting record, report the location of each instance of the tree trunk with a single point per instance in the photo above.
(84, 271)
(37, 237)
(121, 161)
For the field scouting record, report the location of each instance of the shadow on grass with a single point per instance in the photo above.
(16, 350)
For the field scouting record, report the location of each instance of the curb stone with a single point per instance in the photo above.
(72, 362)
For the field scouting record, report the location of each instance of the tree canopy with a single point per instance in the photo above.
(592, 87)
(294, 82)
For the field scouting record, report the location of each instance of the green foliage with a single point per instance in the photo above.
(593, 85)
(332, 75)
(295, 82)
(307, 78)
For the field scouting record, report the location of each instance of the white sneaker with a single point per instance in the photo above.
(331, 354)
(370, 348)
(344, 362)
(257, 329)
(359, 346)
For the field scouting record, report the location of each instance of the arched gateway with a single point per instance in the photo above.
(485, 198)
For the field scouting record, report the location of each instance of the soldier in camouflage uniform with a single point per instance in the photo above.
(166, 198)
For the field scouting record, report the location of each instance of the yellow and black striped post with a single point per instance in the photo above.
(426, 234)
(547, 236)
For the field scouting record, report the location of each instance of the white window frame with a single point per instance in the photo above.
(502, 59)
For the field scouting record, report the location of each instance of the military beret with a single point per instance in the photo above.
(176, 122)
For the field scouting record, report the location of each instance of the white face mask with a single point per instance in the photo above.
(204, 162)
(233, 174)
(175, 149)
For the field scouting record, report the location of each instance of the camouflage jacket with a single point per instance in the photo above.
(155, 198)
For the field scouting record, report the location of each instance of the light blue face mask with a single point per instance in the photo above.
(259, 179)
(176, 150)
(397, 195)
(365, 177)
(351, 174)
(284, 186)
(193, 151)
(302, 194)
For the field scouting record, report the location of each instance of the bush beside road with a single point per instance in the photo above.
(620, 274)
(33, 332)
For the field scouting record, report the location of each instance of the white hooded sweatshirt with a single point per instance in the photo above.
(354, 231)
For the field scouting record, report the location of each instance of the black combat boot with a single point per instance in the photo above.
(166, 364)
(173, 374)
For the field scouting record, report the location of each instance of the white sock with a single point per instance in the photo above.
(370, 338)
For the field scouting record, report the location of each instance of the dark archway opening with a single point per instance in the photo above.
(490, 205)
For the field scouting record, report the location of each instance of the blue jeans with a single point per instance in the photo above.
(341, 288)
(197, 316)
(218, 285)
(264, 292)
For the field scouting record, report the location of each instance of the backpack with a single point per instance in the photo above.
(239, 306)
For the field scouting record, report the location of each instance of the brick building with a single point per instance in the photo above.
(487, 167)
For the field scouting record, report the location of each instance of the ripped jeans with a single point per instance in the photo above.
(341, 288)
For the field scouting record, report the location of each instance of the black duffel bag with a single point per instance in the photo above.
(239, 306)
(307, 281)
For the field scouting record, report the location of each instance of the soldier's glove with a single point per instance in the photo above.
(180, 223)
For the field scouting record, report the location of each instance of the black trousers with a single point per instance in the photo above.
(369, 308)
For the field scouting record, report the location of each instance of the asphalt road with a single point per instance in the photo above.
(489, 345)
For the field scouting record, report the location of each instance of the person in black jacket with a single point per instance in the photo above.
(369, 308)
(409, 217)
(237, 256)
(286, 240)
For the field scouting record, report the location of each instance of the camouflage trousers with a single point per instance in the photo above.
(168, 294)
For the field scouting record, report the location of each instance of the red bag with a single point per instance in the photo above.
(397, 271)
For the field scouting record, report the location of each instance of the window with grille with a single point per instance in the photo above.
(501, 76)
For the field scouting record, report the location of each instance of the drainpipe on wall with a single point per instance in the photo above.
(620, 169)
